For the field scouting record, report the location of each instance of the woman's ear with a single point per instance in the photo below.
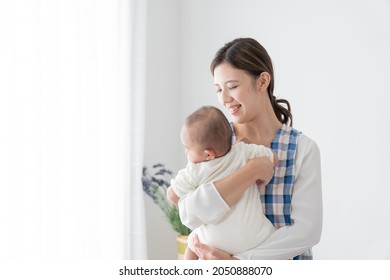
(263, 81)
(210, 154)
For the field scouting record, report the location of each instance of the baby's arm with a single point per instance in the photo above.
(261, 151)
(262, 183)
(172, 196)
(208, 203)
(181, 184)
(275, 156)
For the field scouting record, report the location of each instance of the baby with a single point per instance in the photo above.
(207, 138)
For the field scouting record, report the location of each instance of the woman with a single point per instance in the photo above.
(244, 79)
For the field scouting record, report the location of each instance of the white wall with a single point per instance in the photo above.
(162, 144)
(332, 63)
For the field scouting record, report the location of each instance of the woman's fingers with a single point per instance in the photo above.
(198, 247)
(206, 252)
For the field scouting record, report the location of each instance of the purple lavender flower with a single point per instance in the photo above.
(155, 183)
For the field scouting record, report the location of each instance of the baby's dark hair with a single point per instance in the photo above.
(212, 129)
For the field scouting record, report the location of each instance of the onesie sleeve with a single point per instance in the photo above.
(204, 205)
(183, 182)
(254, 150)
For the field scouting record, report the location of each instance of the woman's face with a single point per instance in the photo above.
(237, 92)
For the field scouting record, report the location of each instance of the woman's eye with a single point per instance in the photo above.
(233, 87)
(219, 90)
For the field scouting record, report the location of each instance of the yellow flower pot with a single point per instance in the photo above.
(181, 246)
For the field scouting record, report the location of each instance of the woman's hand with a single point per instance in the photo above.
(206, 252)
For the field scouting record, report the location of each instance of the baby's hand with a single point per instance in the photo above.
(172, 197)
(262, 165)
(261, 183)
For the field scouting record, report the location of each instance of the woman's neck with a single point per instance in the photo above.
(260, 131)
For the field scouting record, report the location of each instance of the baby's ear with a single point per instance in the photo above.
(210, 154)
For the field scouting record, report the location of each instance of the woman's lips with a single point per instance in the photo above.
(233, 109)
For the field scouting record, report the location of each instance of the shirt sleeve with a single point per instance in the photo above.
(204, 205)
(290, 241)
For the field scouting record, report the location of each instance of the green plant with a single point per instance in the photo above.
(155, 182)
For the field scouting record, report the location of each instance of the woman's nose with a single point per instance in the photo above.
(225, 95)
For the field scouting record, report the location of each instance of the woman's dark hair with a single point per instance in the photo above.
(213, 130)
(249, 55)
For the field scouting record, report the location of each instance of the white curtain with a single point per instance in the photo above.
(71, 128)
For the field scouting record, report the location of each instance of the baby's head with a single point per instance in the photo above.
(206, 134)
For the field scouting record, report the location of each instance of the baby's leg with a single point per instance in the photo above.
(190, 255)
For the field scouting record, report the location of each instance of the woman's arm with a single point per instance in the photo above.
(208, 203)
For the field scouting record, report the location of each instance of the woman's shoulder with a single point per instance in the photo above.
(305, 141)
(306, 148)
(307, 156)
